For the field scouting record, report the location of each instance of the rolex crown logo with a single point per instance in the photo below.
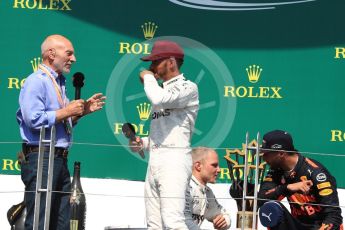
(253, 72)
(149, 29)
(35, 63)
(144, 110)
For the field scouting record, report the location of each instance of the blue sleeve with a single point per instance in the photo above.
(271, 188)
(33, 98)
(326, 194)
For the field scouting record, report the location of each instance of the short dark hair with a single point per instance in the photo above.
(291, 153)
(179, 62)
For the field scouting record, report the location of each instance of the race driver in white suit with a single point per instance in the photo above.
(174, 110)
(204, 203)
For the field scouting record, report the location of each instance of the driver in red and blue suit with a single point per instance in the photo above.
(308, 186)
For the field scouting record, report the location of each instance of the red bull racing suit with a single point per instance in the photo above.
(319, 209)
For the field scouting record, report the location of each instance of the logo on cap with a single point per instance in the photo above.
(278, 140)
(276, 146)
(267, 216)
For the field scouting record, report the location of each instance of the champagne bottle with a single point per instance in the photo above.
(77, 201)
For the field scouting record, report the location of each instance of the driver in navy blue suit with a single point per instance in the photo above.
(309, 187)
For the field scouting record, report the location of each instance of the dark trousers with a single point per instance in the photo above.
(275, 216)
(60, 207)
(289, 222)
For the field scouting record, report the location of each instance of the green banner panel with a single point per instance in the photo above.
(259, 66)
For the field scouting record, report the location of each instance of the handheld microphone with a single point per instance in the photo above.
(129, 132)
(78, 83)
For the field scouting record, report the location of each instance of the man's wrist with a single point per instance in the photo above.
(283, 189)
(75, 119)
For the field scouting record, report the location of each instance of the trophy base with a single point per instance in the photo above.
(248, 220)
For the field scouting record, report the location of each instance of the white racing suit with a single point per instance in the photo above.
(205, 205)
(174, 110)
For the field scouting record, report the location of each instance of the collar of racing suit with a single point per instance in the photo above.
(174, 79)
(201, 186)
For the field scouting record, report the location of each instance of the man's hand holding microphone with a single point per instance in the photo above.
(79, 107)
(135, 143)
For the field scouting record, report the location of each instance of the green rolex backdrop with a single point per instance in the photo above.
(259, 65)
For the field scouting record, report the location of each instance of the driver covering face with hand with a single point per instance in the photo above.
(174, 111)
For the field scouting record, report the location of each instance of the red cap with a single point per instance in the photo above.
(164, 49)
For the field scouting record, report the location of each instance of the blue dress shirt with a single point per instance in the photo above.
(38, 103)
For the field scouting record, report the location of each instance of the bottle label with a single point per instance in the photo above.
(75, 197)
(73, 224)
